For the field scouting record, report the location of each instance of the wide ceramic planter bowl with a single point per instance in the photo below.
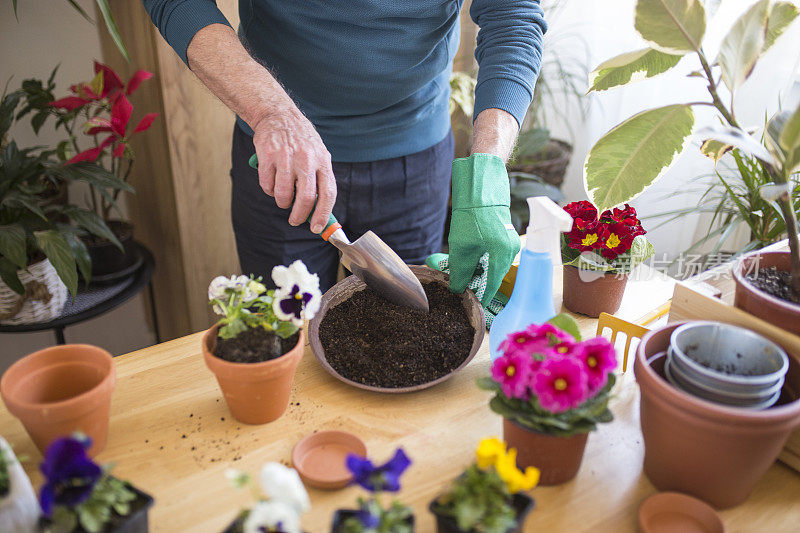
(256, 393)
(714, 452)
(351, 284)
(758, 303)
(60, 390)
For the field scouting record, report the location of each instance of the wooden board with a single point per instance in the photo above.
(172, 436)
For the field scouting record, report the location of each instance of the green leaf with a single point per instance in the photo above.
(738, 138)
(789, 141)
(285, 330)
(633, 155)
(566, 323)
(91, 222)
(112, 28)
(8, 273)
(743, 44)
(641, 250)
(80, 10)
(59, 253)
(631, 67)
(780, 16)
(12, 244)
(714, 149)
(79, 251)
(672, 26)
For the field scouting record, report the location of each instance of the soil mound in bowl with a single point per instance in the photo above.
(370, 340)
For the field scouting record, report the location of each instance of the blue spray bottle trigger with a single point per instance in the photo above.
(531, 301)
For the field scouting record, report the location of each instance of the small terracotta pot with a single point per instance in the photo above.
(758, 303)
(557, 458)
(591, 293)
(256, 393)
(704, 449)
(60, 390)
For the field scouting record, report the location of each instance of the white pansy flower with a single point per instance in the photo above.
(239, 283)
(297, 297)
(281, 483)
(273, 515)
(217, 288)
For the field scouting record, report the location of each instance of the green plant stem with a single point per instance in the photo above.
(712, 89)
(785, 203)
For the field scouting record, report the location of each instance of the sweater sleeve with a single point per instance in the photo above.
(179, 20)
(509, 53)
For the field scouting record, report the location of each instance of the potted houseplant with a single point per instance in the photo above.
(487, 497)
(282, 501)
(19, 509)
(714, 452)
(102, 109)
(598, 254)
(82, 496)
(60, 390)
(372, 516)
(551, 389)
(255, 347)
(40, 252)
(634, 154)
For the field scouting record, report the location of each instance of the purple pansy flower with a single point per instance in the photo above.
(69, 472)
(378, 478)
(367, 519)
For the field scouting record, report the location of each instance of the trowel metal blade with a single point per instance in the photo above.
(377, 265)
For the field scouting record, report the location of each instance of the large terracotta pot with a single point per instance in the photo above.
(557, 458)
(710, 451)
(256, 393)
(591, 293)
(60, 390)
(758, 303)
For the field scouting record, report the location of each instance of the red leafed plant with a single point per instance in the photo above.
(612, 242)
(101, 107)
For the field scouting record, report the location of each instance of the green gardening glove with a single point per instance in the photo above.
(481, 223)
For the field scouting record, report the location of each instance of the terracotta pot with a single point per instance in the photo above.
(591, 293)
(557, 458)
(710, 451)
(256, 393)
(758, 303)
(521, 503)
(60, 390)
(351, 284)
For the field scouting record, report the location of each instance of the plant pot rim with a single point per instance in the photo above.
(741, 279)
(646, 377)
(16, 405)
(209, 342)
(468, 299)
(543, 434)
(605, 273)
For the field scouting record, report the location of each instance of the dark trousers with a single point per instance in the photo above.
(403, 200)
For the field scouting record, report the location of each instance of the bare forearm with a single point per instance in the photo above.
(494, 132)
(218, 58)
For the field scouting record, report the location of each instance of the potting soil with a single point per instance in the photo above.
(254, 346)
(777, 283)
(370, 340)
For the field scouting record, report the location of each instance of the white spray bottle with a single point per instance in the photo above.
(531, 301)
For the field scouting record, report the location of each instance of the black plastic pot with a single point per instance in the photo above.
(108, 261)
(343, 514)
(522, 505)
(135, 522)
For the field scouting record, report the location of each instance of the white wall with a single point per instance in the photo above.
(608, 27)
(48, 33)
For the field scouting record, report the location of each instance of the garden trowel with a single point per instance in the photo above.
(374, 263)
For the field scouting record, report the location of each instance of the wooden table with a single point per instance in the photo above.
(172, 436)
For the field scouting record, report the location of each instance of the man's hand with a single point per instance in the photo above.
(294, 165)
(481, 221)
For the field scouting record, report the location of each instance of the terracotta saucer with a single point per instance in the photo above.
(673, 512)
(319, 458)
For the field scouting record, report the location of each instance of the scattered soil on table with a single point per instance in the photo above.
(370, 340)
(774, 282)
(254, 346)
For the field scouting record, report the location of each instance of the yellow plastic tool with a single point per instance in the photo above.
(617, 325)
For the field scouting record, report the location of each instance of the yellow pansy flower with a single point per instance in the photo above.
(515, 479)
(488, 451)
